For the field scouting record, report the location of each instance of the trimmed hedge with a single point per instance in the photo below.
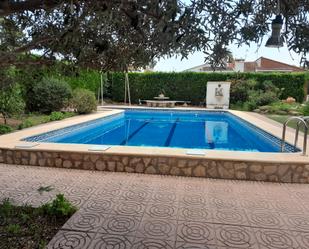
(84, 79)
(76, 78)
(191, 86)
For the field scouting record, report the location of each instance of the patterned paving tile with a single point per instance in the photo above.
(196, 232)
(186, 245)
(99, 205)
(85, 221)
(224, 202)
(195, 213)
(302, 239)
(110, 241)
(285, 207)
(148, 243)
(164, 197)
(106, 192)
(120, 225)
(16, 197)
(297, 222)
(255, 204)
(36, 199)
(157, 229)
(70, 239)
(137, 195)
(129, 207)
(193, 200)
(230, 216)
(194, 187)
(76, 200)
(265, 219)
(235, 236)
(121, 210)
(275, 239)
(161, 210)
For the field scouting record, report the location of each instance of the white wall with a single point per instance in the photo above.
(239, 66)
(213, 101)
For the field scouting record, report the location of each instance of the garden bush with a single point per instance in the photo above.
(305, 109)
(59, 207)
(25, 124)
(5, 129)
(88, 79)
(50, 95)
(84, 101)
(282, 108)
(11, 101)
(54, 116)
(191, 86)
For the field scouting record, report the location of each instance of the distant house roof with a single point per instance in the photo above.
(265, 64)
(208, 68)
(262, 64)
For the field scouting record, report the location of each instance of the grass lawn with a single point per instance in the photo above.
(32, 119)
(28, 227)
(282, 118)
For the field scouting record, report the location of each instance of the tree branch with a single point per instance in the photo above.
(8, 7)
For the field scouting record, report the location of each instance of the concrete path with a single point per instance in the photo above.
(120, 210)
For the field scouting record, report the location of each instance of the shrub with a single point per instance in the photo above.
(54, 116)
(25, 124)
(11, 102)
(5, 129)
(13, 229)
(68, 114)
(84, 101)
(50, 95)
(305, 109)
(59, 207)
(6, 208)
(241, 90)
(264, 98)
(282, 108)
(253, 94)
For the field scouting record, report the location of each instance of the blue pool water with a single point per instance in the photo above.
(181, 129)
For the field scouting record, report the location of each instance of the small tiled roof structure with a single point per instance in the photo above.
(268, 65)
(262, 64)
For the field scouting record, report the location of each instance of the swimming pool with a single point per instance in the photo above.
(217, 130)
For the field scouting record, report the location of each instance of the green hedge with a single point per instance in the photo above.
(191, 86)
(85, 79)
(76, 78)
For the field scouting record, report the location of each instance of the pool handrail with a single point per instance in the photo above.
(301, 120)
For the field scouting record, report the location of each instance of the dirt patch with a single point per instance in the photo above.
(27, 227)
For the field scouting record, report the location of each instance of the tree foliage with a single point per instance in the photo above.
(11, 102)
(124, 34)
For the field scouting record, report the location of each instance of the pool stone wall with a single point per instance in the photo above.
(163, 165)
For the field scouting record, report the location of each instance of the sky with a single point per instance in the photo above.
(248, 53)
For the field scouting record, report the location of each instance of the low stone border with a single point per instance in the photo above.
(163, 165)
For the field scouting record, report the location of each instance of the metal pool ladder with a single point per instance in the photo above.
(300, 121)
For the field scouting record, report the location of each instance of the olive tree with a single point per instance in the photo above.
(122, 34)
(11, 101)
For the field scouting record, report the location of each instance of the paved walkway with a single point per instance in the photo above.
(119, 210)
